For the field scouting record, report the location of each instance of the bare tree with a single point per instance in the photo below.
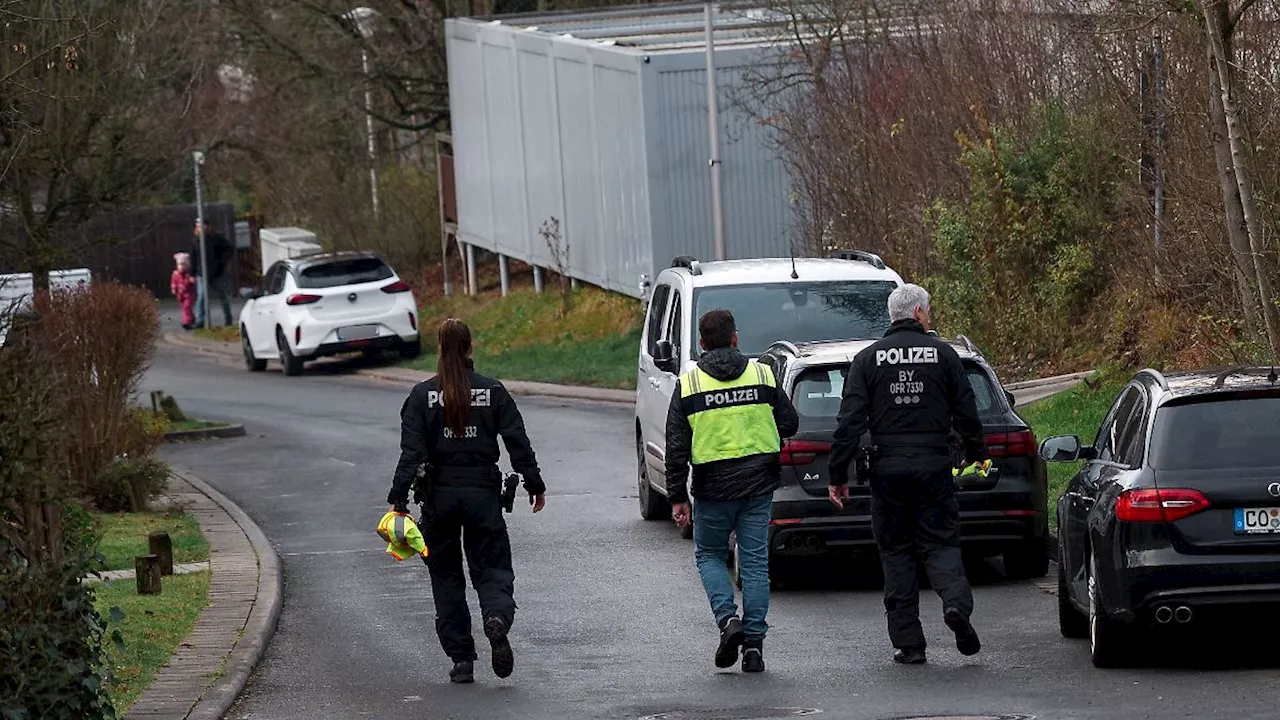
(558, 247)
(92, 96)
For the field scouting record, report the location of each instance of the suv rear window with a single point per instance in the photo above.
(344, 272)
(1217, 435)
(818, 392)
(801, 312)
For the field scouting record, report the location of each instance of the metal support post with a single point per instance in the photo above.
(713, 125)
(198, 158)
(473, 285)
(537, 279)
(504, 274)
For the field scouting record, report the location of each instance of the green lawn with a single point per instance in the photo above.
(152, 627)
(1076, 412)
(523, 337)
(221, 333)
(124, 536)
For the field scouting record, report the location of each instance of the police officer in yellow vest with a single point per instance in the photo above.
(728, 419)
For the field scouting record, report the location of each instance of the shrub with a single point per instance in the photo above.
(102, 336)
(51, 638)
(129, 484)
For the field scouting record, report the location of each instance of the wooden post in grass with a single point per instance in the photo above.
(159, 544)
(147, 569)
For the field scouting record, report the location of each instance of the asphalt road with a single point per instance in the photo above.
(612, 621)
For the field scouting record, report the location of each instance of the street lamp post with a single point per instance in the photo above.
(361, 16)
(198, 161)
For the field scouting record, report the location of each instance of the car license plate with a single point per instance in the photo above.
(1257, 521)
(357, 332)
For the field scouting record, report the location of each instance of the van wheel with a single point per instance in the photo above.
(292, 364)
(653, 506)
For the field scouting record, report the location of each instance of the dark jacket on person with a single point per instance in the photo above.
(735, 479)
(424, 438)
(219, 252)
(910, 391)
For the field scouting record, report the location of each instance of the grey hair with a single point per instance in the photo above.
(904, 301)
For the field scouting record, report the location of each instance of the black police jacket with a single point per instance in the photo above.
(909, 390)
(424, 438)
(736, 479)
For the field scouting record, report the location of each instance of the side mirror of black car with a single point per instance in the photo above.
(1063, 448)
(664, 357)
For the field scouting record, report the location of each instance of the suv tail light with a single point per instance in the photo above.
(1014, 444)
(398, 286)
(1152, 505)
(802, 452)
(303, 299)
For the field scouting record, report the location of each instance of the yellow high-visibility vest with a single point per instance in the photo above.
(730, 418)
(404, 539)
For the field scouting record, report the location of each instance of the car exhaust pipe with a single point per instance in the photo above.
(1164, 614)
(1182, 614)
(796, 542)
(811, 542)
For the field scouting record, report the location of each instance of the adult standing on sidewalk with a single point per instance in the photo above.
(219, 254)
(910, 391)
(728, 418)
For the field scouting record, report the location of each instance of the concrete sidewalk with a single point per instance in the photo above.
(212, 665)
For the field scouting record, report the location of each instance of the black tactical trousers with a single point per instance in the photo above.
(915, 517)
(470, 519)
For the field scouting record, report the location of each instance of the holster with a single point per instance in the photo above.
(865, 462)
(509, 486)
(423, 483)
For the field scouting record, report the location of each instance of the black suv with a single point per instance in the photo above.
(1005, 513)
(1174, 519)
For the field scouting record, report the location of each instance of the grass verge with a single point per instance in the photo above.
(524, 337)
(152, 628)
(1078, 411)
(124, 536)
(221, 333)
(190, 424)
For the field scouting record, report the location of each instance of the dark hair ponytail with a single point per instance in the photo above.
(451, 367)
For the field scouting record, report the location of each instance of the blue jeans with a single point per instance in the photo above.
(712, 524)
(224, 295)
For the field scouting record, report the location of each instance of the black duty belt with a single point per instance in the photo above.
(458, 476)
(912, 443)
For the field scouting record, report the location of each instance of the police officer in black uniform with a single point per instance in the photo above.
(910, 392)
(450, 424)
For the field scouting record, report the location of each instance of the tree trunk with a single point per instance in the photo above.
(1236, 231)
(1216, 31)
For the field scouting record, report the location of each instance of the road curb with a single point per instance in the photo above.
(261, 625)
(413, 377)
(213, 663)
(222, 431)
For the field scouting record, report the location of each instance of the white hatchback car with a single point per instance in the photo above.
(329, 304)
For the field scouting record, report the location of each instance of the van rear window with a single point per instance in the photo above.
(818, 392)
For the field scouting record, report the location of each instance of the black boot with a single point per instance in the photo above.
(910, 656)
(504, 661)
(966, 637)
(753, 656)
(731, 637)
(462, 673)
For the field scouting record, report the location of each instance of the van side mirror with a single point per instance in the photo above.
(1062, 448)
(664, 357)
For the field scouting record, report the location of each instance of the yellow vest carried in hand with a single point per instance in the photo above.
(730, 418)
(404, 539)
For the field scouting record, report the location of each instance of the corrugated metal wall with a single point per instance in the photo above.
(614, 144)
(547, 128)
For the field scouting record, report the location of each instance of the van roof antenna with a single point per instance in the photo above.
(1271, 376)
(794, 275)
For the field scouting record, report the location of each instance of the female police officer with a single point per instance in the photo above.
(452, 423)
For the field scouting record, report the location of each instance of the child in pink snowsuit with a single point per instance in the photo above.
(183, 286)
